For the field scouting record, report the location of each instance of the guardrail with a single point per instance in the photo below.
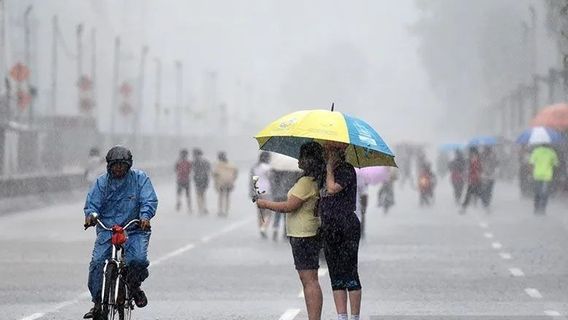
(24, 185)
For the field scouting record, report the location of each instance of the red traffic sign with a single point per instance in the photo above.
(125, 89)
(19, 72)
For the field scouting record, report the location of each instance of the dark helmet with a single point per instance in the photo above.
(119, 154)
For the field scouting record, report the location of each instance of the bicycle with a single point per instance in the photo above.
(116, 296)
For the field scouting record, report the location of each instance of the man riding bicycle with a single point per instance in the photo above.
(118, 196)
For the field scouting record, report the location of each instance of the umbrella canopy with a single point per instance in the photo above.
(372, 175)
(483, 141)
(365, 146)
(554, 116)
(540, 135)
(449, 147)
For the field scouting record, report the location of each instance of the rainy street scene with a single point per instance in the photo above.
(283, 160)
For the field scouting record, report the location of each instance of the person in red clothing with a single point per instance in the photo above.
(183, 170)
(474, 177)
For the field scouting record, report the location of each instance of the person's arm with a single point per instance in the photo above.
(330, 184)
(148, 201)
(94, 201)
(292, 204)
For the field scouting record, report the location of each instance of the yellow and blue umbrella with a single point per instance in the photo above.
(286, 135)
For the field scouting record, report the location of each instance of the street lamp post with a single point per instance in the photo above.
(28, 56)
(138, 113)
(115, 75)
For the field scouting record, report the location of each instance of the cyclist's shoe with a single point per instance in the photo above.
(93, 313)
(139, 298)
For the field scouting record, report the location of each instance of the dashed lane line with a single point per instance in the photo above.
(488, 235)
(497, 245)
(484, 225)
(177, 252)
(533, 293)
(290, 314)
(505, 256)
(552, 313)
(517, 272)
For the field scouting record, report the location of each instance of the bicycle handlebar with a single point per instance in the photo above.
(96, 216)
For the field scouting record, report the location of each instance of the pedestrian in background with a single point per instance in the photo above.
(457, 169)
(263, 171)
(224, 176)
(489, 165)
(284, 174)
(302, 223)
(201, 172)
(473, 178)
(544, 160)
(341, 230)
(183, 170)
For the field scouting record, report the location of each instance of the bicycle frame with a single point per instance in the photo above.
(117, 259)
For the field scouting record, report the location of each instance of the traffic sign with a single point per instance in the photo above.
(125, 89)
(19, 72)
(23, 99)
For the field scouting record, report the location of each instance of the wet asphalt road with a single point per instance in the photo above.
(415, 263)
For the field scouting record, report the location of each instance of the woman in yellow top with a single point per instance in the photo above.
(302, 223)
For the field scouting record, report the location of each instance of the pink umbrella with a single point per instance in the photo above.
(372, 175)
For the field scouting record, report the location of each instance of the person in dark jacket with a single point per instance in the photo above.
(341, 230)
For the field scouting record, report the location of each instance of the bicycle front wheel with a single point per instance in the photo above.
(109, 307)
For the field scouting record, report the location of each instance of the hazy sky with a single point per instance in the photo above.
(269, 57)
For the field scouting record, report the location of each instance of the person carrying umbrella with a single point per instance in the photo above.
(474, 178)
(348, 142)
(302, 223)
(341, 230)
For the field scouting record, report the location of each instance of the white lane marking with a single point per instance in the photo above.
(34, 316)
(488, 235)
(322, 272)
(172, 254)
(301, 294)
(533, 293)
(505, 255)
(517, 272)
(289, 314)
(484, 225)
(552, 313)
(496, 245)
(177, 252)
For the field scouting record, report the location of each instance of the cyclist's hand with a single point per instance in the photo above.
(89, 221)
(145, 224)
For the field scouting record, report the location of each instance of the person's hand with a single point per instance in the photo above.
(145, 224)
(89, 221)
(261, 203)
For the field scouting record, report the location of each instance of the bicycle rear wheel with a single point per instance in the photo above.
(109, 307)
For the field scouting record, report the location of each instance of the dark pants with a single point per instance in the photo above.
(458, 190)
(473, 190)
(487, 192)
(541, 193)
(341, 249)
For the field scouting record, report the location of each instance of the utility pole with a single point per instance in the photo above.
(179, 97)
(55, 28)
(115, 75)
(94, 70)
(79, 33)
(158, 97)
(27, 57)
(138, 113)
